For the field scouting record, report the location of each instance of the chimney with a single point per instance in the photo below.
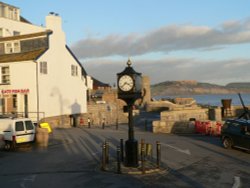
(54, 22)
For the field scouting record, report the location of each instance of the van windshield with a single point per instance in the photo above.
(29, 125)
(19, 126)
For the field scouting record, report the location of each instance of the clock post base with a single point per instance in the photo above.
(131, 151)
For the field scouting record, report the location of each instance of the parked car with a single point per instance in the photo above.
(16, 130)
(236, 133)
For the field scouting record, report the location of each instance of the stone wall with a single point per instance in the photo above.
(237, 110)
(182, 121)
(184, 115)
(63, 121)
(173, 127)
(108, 112)
(97, 113)
(175, 104)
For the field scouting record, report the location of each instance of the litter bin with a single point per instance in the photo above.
(42, 137)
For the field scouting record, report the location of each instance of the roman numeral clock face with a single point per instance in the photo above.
(126, 83)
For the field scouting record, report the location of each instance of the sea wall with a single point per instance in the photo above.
(182, 121)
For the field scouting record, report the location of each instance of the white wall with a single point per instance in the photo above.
(23, 76)
(24, 28)
(60, 93)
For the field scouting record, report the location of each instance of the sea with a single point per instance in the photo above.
(213, 99)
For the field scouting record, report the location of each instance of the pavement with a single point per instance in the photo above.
(73, 159)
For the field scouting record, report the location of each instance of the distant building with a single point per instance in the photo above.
(39, 75)
(98, 85)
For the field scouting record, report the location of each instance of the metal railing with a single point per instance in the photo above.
(32, 115)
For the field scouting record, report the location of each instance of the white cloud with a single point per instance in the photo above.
(160, 70)
(102, 56)
(165, 39)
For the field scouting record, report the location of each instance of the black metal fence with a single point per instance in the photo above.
(117, 163)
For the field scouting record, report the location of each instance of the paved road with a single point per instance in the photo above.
(72, 160)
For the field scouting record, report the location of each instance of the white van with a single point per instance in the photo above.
(16, 130)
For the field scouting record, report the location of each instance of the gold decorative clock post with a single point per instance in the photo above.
(129, 84)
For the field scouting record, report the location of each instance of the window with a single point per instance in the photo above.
(5, 75)
(12, 47)
(13, 13)
(1, 32)
(74, 71)
(43, 67)
(9, 12)
(14, 101)
(8, 48)
(235, 127)
(29, 125)
(1, 10)
(19, 126)
(16, 33)
(16, 46)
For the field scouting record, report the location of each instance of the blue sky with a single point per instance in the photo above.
(203, 40)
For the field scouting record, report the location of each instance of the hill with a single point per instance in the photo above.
(238, 85)
(192, 87)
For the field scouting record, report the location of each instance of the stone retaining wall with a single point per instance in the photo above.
(182, 121)
(63, 121)
(110, 113)
(173, 127)
(99, 112)
(184, 115)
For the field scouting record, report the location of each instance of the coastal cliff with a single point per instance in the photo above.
(192, 87)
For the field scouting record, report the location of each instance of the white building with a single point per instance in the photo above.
(39, 75)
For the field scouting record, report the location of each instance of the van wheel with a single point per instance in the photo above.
(7, 146)
(227, 143)
(13, 146)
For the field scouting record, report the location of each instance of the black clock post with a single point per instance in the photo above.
(129, 89)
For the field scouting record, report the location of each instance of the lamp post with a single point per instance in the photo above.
(129, 90)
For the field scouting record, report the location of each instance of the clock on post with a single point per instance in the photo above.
(129, 84)
(129, 89)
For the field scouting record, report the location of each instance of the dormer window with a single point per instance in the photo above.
(9, 12)
(1, 10)
(12, 47)
(16, 47)
(8, 48)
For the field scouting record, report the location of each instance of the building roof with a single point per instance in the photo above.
(84, 73)
(26, 36)
(32, 54)
(8, 5)
(22, 19)
(97, 83)
(24, 56)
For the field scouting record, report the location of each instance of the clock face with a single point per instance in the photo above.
(126, 83)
